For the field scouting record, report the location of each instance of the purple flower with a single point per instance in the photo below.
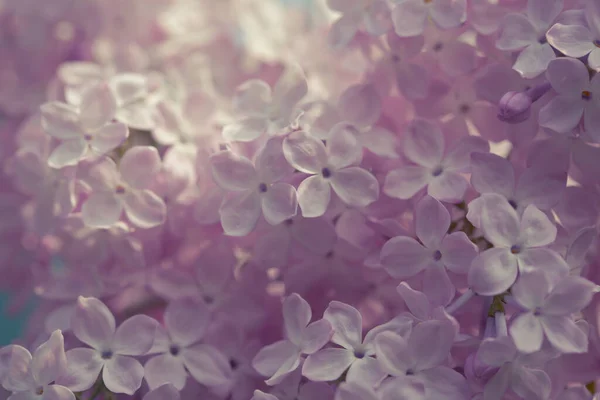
(280, 358)
(330, 167)
(111, 348)
(519, 246)
(549, 306)
(404, 257)
(33, 377)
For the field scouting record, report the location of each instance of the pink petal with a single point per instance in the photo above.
(344, 29)
(129, 87)
(165, 369)
(360, 105)
(516, 32)
(123, 374)
(246, 129)
(404, 257)
(564, 334)
(164, 392)
(186, 321)
(493, 272)
(542, 12)
(572, 40)
(430, 343)
(18, 376)
(570, 295)
(492, 174)
(437, 285)
(139, 166)
(270, 163)
(277, 359)
(424, 143)
(531, 383)
(536, 229)
(260, 395)
(531, 289)
(534, 60)
(135, 336)
(412, 80)
(484, 116)
(279, 203)
(67, 153)
(240, 212)
(57, 392)
(458, 58)
(458, 252)
(568, 76)
(103, 175)
(394, 353)
(594, 59)
(93, 323)
(207, 365)
(313, 195)
(500, 222)
(316, 335)
(546, 259)
(355, 391)
(355, 186)
(449, 13)
(346, 322)
(561, 114)
(109, 137)
(316, 234)
(83, 368)
(304, 152)
(49, 360)
(367, 371)
(377, 18)
(497, 351)
(297, 315)
(233, 172)
(101, 210)
(343, 147)
(496, 387)
(527, 333)
(252, 97)
(144, 208)
(459, 159)
(449, 186)
(405, 182)
(98, 106)
(417, 302)
(432, 222)
(60, 120)
(409, 17)
(327, 364)
(404, 389)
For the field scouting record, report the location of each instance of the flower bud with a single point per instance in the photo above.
(514, 107)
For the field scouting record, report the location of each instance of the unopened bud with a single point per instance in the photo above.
(514, 107)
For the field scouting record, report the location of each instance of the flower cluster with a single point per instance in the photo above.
(301, 200)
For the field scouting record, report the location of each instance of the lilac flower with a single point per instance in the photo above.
(528, 34)
(83, 129)
(33, 377)
(404, 257)
(260, 110)
(181, 352)
(549, 306)
(577, 97)
(295, 387)
(111, 348)
(410, 16)
(330, 167)
(441, 174)
(514, 372)
(519, 246)
(124, 188)
(356, 355)
(373, 15)
(280, 358)
(254, 188)
(164, 392)
(420, 357)
(578, 40)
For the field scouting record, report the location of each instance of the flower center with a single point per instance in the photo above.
(326, 172)
(586, 95)
(87, 137)
(263, 188)
(174, 350)
(515, 249)
(437, 171)
(597, 43)
(513, 204)
(39, 391)
(233, 363)
(464, 108)
(106, 355)
(437, 255)
(437, 46)
(289, 222)
(120, 189)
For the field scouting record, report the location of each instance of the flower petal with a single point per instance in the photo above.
(449, 186)
(123, 374)
(432, 222)
(207, 365)
(458, 252)
(430, 343)
(279, 203)
(516, 32)
(60, 120)
(394, 353)
(355, 186)
(346, 322)
(314, 194)
(492, 174)
(561, 114)
(531, 383)
(186, 321)
(144, 208)
(405, 182)
(493, 272)
(83, 368)
(404, 257)
(572, 40)
(531, 289)
(297, 315)
(424, 143)
(304, 152)
(57, 392)
(327, 364)
(360, 105)
(277, 359)
(240, 212)
(570, 295)
(343, 147)
(101, 210)
(139, 166)
(67, 153)
(500, 222)
(527, 333)
(135, 336)
(164, 392)
(564, 334)
(93, 323)
(449, 13)
(49, 360)
(98, 106)
(164, 369)
(409, 18)
(316, 335)
(109, 137)
(437, 285)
